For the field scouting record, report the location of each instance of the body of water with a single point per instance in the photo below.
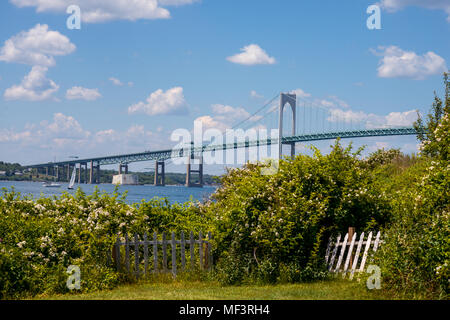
(135, 194)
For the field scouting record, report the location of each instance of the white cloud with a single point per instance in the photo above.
(328, 102)
(210, 122)
(64, 135)
(107, 10)
(395, 5)
(80, 93)
(116, 81)
(339, 102)
(34, 87)
(300, 93)
(252, 55)
(106, 136)
(176, 2)
(255, 95)
(347, 116)
(401, 118)
(407, 64)
(64, 127)
(371, 120)
(37, 46)
(119, 83)
(11, 136)
(159, 103)
(225, 116)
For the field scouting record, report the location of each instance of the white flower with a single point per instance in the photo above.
(21, 244)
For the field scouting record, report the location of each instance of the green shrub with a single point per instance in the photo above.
(288, 217)
(40, 238)
(415, 258)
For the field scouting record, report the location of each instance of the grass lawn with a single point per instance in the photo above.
(206, 290)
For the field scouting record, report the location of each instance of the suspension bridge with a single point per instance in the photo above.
(310, 122)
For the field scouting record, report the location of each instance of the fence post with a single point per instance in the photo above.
(210, 257)
(145, 254)
(200, 251)
(191, 248)
(127, 253)
(349, 255)
(333, 255)
(366, 250)
(136, 255)
(377, 241)
(351, 234)
(155, 252)
(358, 250)
(327, 253)
(183, 251)
(174, 255)
(341, 256)
(164, 245)
(116, 255)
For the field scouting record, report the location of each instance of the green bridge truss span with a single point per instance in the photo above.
(184, 152)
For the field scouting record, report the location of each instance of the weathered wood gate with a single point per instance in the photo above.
(140, 248)
(350, 263)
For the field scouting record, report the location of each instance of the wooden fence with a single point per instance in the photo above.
(334, 257)
(142, 248)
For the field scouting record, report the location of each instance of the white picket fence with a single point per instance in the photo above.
(337, 250)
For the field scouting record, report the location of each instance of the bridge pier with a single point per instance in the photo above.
(85, 172)
(57, 173)
(91, 172)
(68, 172)
(97, 176)
(79, 174)
(291, 99)
(123, 168)
(190, 171)
(94, 177)
(160, 176)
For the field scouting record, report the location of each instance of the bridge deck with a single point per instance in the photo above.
(176, 153)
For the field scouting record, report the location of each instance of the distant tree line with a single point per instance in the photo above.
(15, 172)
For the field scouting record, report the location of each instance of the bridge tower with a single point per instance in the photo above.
(190, 171)
(123, 168)
(160, 173)
(94, 173)
(291, 99)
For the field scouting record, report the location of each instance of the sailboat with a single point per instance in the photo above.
(72, 179)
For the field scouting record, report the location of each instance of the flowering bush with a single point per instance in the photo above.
(415, 258)
(285, 220)
(40, 238)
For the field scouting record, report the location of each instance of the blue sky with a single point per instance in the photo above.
(71, 105)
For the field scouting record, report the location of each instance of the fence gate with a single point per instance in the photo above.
(336, 260)
(150, 255)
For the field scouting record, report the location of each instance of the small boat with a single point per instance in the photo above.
(51, 185)
(72, 179)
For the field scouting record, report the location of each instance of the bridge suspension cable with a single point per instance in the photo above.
(258, 111)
